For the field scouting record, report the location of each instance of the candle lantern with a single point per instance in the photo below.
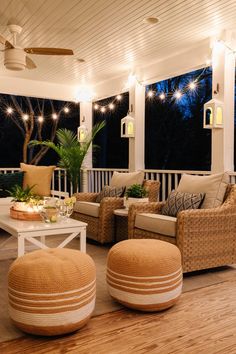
(213, 114)
(127, 127)
(82, 133)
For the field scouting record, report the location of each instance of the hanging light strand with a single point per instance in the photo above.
(178, 93)
(109, 106)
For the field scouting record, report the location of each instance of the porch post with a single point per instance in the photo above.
(137, 110)
(86, 118)
(223, 73)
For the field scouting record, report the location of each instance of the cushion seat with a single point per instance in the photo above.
(52, 291)
(87, 208)
(160, 224)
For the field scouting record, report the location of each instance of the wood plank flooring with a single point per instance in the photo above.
(203, 322)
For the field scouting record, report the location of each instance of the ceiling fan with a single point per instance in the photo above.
(15, 57)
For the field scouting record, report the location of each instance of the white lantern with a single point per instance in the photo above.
(213, 114)
(82, 133)
(127, 127)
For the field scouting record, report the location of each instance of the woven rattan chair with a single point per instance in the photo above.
(101, 227)
(205, 237)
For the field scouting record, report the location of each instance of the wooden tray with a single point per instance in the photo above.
(24, 215)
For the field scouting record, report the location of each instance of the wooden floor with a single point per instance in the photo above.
(203, 322)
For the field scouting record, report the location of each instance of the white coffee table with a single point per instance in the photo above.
(32, 230)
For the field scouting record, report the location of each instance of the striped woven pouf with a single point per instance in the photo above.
(144, 274)
(52, 291)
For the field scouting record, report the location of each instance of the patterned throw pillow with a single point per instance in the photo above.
(9, 180)
(110, 192)
(178, 201)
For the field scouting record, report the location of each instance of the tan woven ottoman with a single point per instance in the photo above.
(144, 274)
(51, 291)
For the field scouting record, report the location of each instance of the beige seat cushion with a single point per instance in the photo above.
(126, 179)
(87, 208)
(214, 187)
(40, 176)
(160, 224)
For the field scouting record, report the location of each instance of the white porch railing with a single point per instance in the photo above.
(169, 179)
(93, 180)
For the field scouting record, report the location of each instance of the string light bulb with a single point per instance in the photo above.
(150, 93)
(54, 116)
(40, 119)
(192, 85)
(178, 94)
(25, 117)
(9, 110)
(119, 97)
(103, 109)
(95, 106)
(66, 110)
(162, 96)
(111, 106)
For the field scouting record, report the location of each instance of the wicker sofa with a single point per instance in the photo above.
(100, 217)
(205, 237)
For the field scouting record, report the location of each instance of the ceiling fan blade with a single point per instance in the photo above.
(7, 44)
(49, 51)
(29, 63)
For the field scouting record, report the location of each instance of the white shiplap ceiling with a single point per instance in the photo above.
(109, 35)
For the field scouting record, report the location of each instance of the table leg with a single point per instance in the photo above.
(42, 239)
(21, 245)
(83, 240)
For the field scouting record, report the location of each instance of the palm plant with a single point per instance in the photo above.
(70, 151)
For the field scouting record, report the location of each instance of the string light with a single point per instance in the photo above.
(25, 117)
(54, 116)
(40, 119)
(150, 93)
(177, 94)
(109, 106)
(9, 110)
(66, 110)
(162, 96)
(192, 85)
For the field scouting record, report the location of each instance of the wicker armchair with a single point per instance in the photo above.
(205, 237)
(101, 227)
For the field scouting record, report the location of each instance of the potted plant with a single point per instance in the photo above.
(71, 152)
(135, 193)
(23, 198)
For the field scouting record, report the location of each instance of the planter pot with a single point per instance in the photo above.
(20, 206)
(129, 201)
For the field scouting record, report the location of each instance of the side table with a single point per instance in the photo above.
(121, 224)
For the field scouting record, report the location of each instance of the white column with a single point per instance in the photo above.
(136, 144)
(223, 73)
(86, 118)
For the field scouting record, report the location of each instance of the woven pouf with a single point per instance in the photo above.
(144, 274)
(52, 291)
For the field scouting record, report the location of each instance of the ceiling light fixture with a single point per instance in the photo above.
(151, 20)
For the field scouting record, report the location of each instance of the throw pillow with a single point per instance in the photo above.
(9, 180)
(214, 186)
(40, 176)
(110, 192)
(178, 201)
(120, 179)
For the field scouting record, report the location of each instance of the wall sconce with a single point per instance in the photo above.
(82, 133)
(213, 114)
(127, 127)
